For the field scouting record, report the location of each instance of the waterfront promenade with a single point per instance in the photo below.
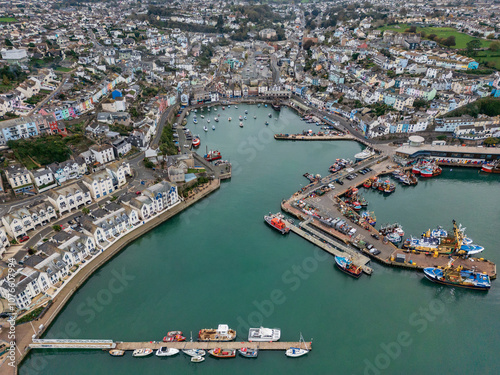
(315, 137)
(25, 331)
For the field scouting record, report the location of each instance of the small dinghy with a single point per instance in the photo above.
(194, 352)
(197, 359)
(117, 352)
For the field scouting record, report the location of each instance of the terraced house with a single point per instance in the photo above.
(70, 197)
(19, 222)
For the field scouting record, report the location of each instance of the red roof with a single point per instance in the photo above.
(364, 45)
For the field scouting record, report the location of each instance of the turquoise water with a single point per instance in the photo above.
(219, 263)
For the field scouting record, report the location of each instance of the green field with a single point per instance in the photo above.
(7, 19)
(62, 69)
(461, 39)
(485, 56)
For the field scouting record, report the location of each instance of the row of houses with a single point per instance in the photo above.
(18, 223)
(55, 259)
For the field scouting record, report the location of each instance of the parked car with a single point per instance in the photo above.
(138, 193)
(24, 238)
(376, 236)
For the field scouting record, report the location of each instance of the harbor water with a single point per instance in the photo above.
(218, 262)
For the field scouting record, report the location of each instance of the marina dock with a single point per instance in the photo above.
(326, 237)
(315, 137)
(110, 344)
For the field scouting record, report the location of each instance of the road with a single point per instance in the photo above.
(275, 69)
(161, 124)
(42, 103)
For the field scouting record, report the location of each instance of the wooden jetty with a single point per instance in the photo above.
(315, 137)
(110, 344)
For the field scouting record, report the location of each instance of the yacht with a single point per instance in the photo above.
(365, 154)
(166, 352)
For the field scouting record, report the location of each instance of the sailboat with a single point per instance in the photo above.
(297, 352)
(194, 352)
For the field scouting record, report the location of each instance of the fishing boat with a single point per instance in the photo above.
(277, 223)
(223, 353)
(248, 352)
(367, 184)
(264, 334)
(297, 352)
(458, 277)
(471, 249)
(144, 352)
(205, 128)
(197, 359)
(166, 352)
(393, 237)
(491, 167)
(369, 217)
(117, 352)
(222, 333)
(212, 155)
(196, 142)
(345, 265)
(175, 338)
(194, 352)
(365, 154)
(241, 124)
(213, 127)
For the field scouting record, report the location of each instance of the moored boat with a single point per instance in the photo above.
(205, 128)
(116, 352)
(166, 352)
(175, 338)
(194, 352)
(222, 333)
(365, 154)
(241, 124)
(174, 333)
(264, 334)
(458, 277)
(144, 352)
(277, 223)
(197, 359)
(212, 155)
(223, 353)
(248, 352)
(346, 266)
(196, 142)
(297, 352)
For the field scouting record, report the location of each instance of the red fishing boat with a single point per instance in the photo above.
(345, 265)
(213, 155)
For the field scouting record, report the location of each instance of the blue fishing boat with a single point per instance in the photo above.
(346, 266)
(248, 353)
(458, 277)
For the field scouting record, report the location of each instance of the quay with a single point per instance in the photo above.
(315, 137)
(390, 255)
(328, 244)
(110, 344)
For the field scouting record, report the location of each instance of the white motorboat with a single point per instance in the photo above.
(236, 106)
(205, 128)
(241, 117)
(166, 352)
(229, 119)
(254, 117)
(241, 124)
(246, 112)
(365, 154)
(264, 334)
(208, 120)
(216, 119)
(197, 359)
(202, 116)
(194, 352)
(144, 352)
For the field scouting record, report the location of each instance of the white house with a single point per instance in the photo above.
(99, 184)
(103, 153)
(70, 197)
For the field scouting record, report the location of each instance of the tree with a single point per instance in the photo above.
(8, 43)
(57, 228)
(495, 46)
(449, 42)
(85, 211)
(220, 23)
(5, 80)
(473, 45)
(308, 44)
(354, 56)
(432, 36)
(419, 103)
(491, 141)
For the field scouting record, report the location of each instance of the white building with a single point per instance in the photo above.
(70, 197)
(103, 153)
(99, 184)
